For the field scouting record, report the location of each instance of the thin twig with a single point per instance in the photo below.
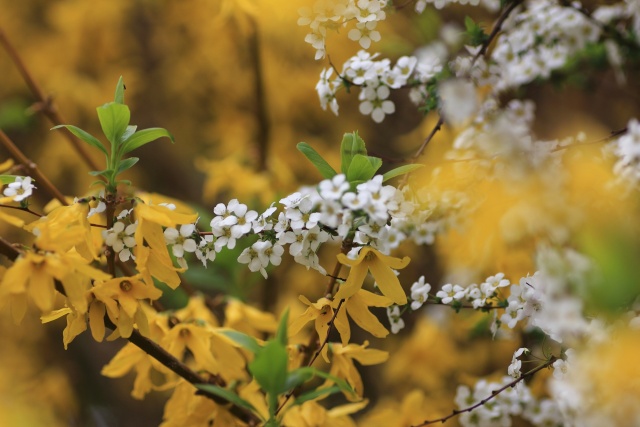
(44, 103)
(494, 393)
(42, 180)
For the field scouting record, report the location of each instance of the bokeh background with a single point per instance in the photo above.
(233, 81)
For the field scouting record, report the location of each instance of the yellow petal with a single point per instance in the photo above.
(296, 326)
(96, 320)
(55, 315)
(374, 300)
(341, 323)
(387, 281)
(395, 263)
(354, 282)
(360, 314)
(42, 289)
(345, 260)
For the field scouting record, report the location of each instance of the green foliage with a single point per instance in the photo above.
(123, 138)
(475, 34)
(356, 165)
(318, 161)
(270, 370)
(8, 179)
(228, 395)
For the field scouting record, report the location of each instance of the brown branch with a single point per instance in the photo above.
(494, 393)
(483, 50)
(264, 126)
(31, 167)
(45, 103)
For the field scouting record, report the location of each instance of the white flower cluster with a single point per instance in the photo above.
(19, 189)
(376, 78)
(513, 401)
(627, 149)
(121, 236)
(535, 41)
(491, 5)
(479, 296)
(372, 214)
(331, 15)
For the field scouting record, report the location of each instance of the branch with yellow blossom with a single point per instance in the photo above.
(153, 349)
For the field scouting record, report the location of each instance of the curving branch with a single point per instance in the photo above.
(494, 393)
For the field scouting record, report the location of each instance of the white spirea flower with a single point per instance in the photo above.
(419, 293)
(20, 189)
(459, 101)
(181, 240)
(375, 102)
(121, 240)
(396, 322)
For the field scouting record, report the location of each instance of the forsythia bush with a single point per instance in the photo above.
(481, 272)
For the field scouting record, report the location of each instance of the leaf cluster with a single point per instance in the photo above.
(356, 164)
(123, 138)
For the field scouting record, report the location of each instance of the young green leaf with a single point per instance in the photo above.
(476, 34)
(351, 146)
(316, 393)
(321, 164)
(105, 172)
(400, 171)
(143, 137)
(126, 164)
(228, 395)
(8, 179)
(281, 334)
(119, 97)
(83, 135)
(298, 377)
(269, 367)
(114, 119)
(131, 129)
(376, 162)
(246, 341)
(360, 169)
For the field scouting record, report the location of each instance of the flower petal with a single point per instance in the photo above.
(387, 282)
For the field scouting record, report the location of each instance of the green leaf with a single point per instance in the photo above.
(105, 172)
(321, 164)
(246, 341)
(114, 119)
(119, 98)
(131, 129)
(8, 179)
(83, 135)
(143, 137)
(269, 367)
(307, 372)
(400, 171)
(281, 334)
(316, 393)
(228, 395)
(299, 377)
(351, 145)
(342, 384)
(126, 164)
(476, 34)
(376, 162)
(360, 169)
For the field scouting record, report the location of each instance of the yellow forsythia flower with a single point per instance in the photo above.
(370, 259)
